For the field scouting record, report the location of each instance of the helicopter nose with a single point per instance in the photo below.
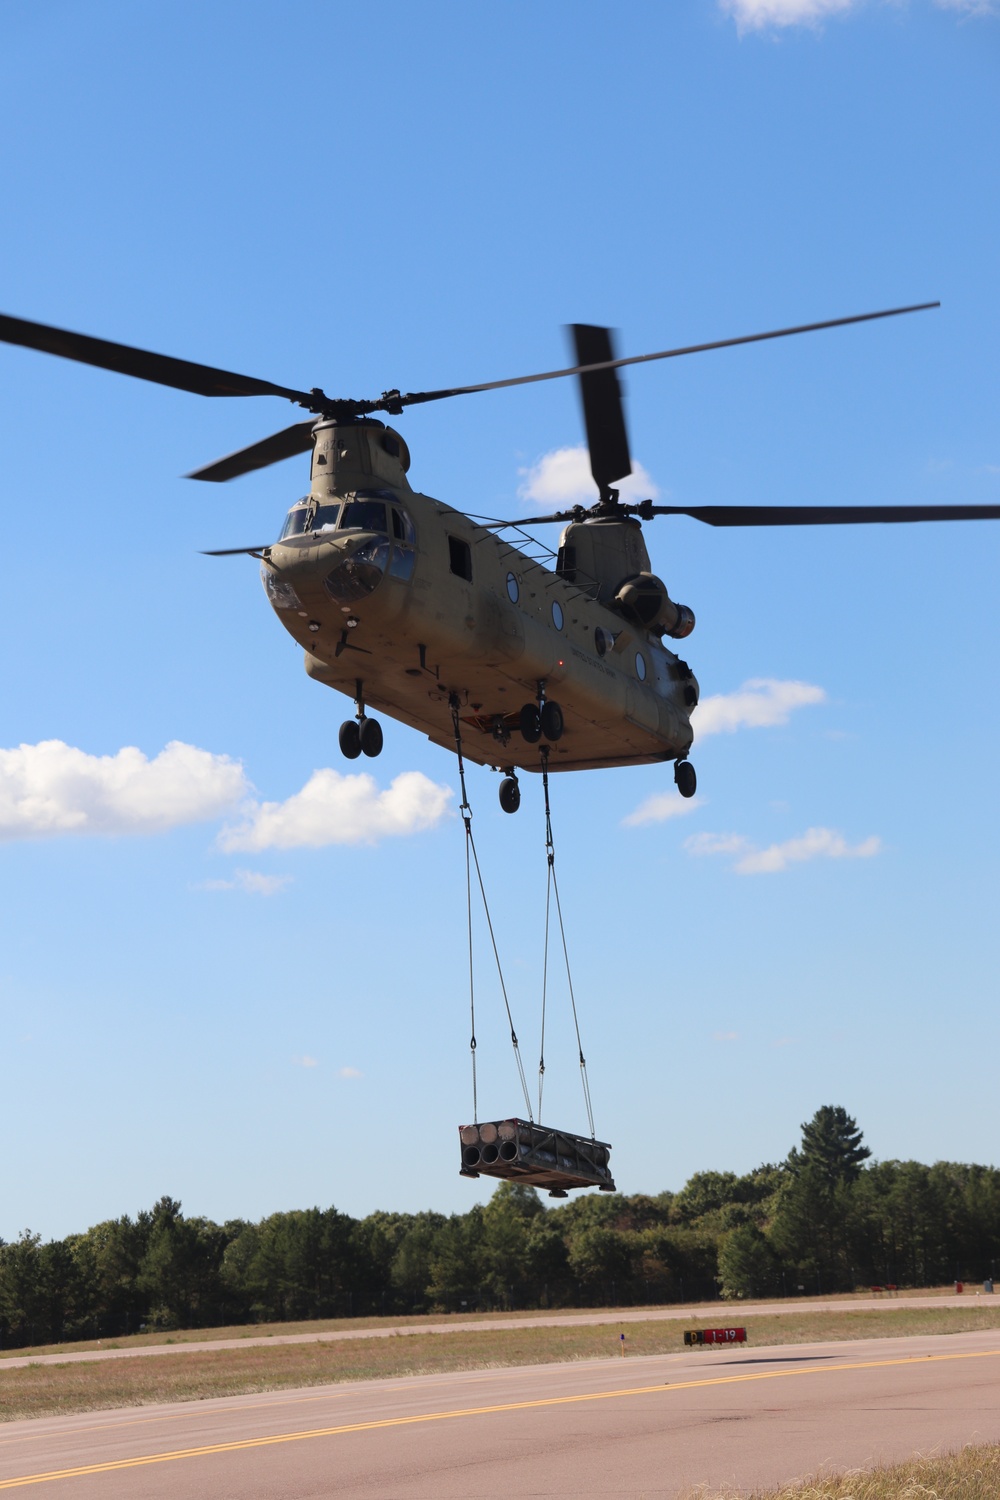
(349, 567)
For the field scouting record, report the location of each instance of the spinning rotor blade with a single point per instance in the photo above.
(270, 450)
(780, 515)
(163, 369)
(819, 515)
(603, 415)
(392, 401)
(238, 551)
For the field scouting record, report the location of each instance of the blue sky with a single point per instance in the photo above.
(420, 196)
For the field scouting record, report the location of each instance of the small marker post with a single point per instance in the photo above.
(623, 1345)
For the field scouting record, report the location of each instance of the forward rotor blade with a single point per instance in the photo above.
(238, 551)
(603, 415)
(270, 450)
(820, 515)
(162, 369)
(394, 402)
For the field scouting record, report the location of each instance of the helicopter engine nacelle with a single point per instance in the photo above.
(644, 601)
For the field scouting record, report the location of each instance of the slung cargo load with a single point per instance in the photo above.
(521, 1151)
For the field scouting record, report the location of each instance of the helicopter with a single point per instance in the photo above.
(434, 617)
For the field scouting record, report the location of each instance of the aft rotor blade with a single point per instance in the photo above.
(393, 401)
(603, 414)
(162, 369)
(270, 450)
(819, 515)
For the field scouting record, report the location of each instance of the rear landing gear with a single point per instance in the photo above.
(684, 776)
(360, 736)
(510, 793)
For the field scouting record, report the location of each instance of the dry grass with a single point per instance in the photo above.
(972, 1474)
(723, 1312)
(52, 1389)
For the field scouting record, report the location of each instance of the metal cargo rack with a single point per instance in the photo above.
(520, 1151)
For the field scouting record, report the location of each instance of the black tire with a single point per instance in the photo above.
(370, 735)
(687, 781)
(552, 721)
(531, 724)
(510, 794)
(350, 740)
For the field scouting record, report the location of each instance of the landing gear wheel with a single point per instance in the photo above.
(552, 721)
(350, 740)
(531, 724)
(510, 794)
(370, 736)
(684, 775)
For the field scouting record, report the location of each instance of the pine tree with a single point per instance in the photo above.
(831, 1146)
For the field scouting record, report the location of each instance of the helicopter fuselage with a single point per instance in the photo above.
(406, 605)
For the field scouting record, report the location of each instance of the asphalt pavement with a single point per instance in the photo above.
(634, 1427)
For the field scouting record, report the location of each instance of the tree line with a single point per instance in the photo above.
(825, 1219)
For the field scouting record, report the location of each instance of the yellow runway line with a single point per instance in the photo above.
(244, 1444)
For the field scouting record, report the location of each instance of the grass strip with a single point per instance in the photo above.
(972, 1474)
(722, 1312)
(52, 1390)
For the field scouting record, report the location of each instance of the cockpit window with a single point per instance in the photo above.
(364, 515)
(402, 526)
(295, 521)
(325, 518)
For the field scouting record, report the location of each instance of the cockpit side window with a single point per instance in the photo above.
(402, 526)
(364, 515)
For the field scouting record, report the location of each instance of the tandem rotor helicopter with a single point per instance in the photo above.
(426, 614)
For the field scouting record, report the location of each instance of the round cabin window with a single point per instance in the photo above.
(557, 614)
(512, 588)
(640, 666)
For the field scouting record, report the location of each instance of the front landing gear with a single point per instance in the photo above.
(360, 735)
(510, 793)
(684, 776)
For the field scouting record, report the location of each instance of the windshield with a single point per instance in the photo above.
(364, 515)
(325, 518)
(295, 521)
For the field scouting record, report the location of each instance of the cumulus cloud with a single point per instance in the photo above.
(759, 704)
(758, 15)
(305, 1061)
(660, 807)
(763, 15)
(815, 843)
(563, 478)
(252, 881)
(333, 808)
(351, 1073)
(53, 788)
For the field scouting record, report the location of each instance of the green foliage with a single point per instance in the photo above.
(748, 1267)
(827, 1219)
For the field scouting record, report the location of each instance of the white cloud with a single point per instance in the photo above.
(305, 1061)
(759, 704)
(757, 15)
(251, 881)
(53, 788)
(725, 1036)
(351, 1073)
(661, 806)
(815, 843)
(562, 478)
(760, 15)
(333, 808)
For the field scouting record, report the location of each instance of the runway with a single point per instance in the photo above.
(712, 1313)
(640, 1427)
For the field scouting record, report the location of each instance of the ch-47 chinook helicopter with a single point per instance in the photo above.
(415, 609)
